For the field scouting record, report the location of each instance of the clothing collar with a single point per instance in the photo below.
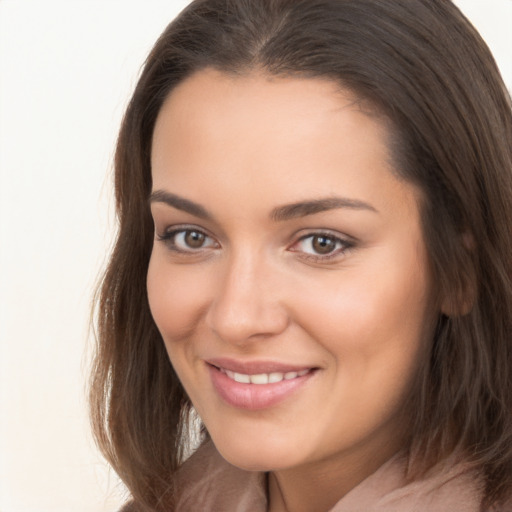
(208, 483)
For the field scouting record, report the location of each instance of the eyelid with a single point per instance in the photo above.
(169, 234)
(347, 243)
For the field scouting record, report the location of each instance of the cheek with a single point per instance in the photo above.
(376, 316)
(374, 329)
(175, 299)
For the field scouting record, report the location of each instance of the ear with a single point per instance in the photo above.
(458, 304)
(460, 299)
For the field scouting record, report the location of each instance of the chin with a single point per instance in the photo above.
(250, 454)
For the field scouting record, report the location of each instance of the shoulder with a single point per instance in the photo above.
(503, 507)
(208, 483)
(448, 486)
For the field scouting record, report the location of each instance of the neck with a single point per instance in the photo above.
(320, 485)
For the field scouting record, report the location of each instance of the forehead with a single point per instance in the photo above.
(278, 139)
(212, 98)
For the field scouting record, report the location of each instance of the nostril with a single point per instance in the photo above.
(240, 321)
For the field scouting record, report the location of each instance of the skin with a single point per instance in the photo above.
(256, 288)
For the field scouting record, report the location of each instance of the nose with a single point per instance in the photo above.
(248, 304)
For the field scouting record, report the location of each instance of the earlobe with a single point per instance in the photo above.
(459, 304)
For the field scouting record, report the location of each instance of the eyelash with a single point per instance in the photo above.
(169, 238)
(341, 245)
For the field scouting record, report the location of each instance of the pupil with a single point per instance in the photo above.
(194, 239)
(323, 244)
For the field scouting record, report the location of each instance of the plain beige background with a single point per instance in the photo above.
(66, 72)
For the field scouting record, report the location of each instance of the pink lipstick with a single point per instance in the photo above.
(256, 385)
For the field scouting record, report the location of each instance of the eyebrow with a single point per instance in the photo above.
(278, 214)
(180, 203)
(304, 208)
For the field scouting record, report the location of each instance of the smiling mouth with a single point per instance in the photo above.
(257, 385)
(263, 378)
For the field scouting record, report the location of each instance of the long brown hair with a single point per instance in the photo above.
(424, 67)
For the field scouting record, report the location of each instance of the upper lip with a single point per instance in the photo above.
(256, 367)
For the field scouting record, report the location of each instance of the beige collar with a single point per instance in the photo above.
(210, 484)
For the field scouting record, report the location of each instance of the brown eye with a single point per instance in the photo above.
(322, 244)
(188, 241)
(194, 239)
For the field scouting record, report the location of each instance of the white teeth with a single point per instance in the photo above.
(244, 379)
(263, 378)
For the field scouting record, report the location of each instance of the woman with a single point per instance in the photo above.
(315, 202)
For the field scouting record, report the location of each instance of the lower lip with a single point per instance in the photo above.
(254, 396)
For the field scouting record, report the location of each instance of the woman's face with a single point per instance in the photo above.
(289, 276)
